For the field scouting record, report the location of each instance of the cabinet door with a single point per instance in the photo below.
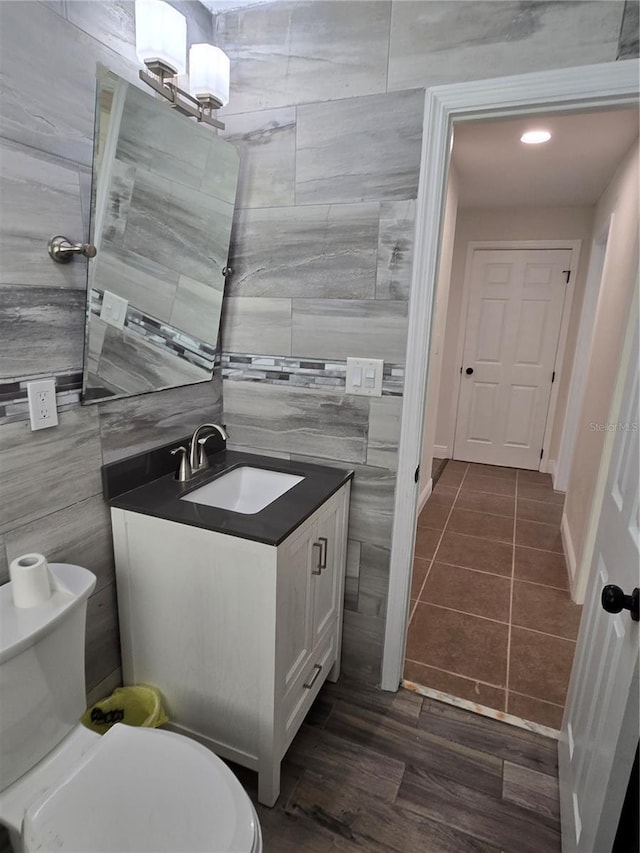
(295, 591)
(325, 552)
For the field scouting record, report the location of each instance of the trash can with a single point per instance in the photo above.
(137, 705)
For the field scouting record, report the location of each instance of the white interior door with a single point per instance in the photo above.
(513, 322)
(601, 724)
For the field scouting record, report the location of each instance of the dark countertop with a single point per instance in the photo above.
(161, 498)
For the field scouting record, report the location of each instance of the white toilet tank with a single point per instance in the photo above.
(42, 686)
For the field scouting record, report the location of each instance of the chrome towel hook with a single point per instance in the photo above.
(63, 250)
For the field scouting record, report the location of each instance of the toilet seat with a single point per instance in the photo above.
(142, 790)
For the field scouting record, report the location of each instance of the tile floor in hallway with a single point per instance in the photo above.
(492, 620)
(378, 772)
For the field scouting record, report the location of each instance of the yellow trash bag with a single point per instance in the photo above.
(138, 705)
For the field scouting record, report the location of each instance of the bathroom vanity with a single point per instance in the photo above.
(236, 617)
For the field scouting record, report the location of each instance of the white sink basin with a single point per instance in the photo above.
(244, 489)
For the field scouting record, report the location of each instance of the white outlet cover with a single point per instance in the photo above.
(364, 377)
(43, 408)
(114, 309)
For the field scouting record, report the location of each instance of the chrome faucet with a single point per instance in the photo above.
(197, 455)
(195, 458)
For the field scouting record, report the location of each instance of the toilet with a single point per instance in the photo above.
(67, 789)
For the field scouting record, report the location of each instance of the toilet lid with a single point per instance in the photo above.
(143, 790)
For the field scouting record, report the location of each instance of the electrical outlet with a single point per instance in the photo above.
(43, 410)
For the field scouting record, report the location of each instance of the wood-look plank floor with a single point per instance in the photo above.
(375, 771)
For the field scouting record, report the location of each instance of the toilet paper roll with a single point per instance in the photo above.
(30, 580)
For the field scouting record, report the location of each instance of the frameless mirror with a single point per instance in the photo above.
(162, 199)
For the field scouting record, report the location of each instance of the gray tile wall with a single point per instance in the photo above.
(50, 489)
(326, 107)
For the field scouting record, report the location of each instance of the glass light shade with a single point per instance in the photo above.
(209, 69)
(161, 35)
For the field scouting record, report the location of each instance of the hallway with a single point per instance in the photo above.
(491, 618)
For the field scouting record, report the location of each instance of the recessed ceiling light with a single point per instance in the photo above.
(535, 137)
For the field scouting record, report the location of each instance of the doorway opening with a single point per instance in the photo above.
(458, 470)
(491, 616)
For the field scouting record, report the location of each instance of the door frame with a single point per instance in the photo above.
(563, 90)
(574, 247)
(575, 396)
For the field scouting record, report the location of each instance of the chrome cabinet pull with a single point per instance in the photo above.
(323, 552)
(317, 667)
(319, 566)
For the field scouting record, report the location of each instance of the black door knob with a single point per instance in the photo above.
(614, 600)
(469, 371)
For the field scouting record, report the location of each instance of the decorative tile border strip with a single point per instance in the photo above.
(13, 394)
(301, 372)
(240, 367)
(162, 335)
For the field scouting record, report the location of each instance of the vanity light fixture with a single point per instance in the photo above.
(209, 75)
(535, 137)
(161, 44)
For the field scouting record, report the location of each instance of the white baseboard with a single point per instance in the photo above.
(569, 552)
(424, 495)
(548, 466)
(441, 451)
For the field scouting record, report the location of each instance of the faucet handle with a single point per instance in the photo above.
(184, 470)
(203, 461)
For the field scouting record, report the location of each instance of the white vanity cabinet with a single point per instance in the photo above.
(238, 635)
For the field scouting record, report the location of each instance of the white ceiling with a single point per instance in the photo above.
(573, 168)
(217, 6)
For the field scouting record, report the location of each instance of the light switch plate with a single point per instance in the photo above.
(364, 376)
(114, 309)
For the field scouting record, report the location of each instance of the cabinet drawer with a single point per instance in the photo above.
(301, 694)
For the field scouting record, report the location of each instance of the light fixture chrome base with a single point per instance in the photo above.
(159, 79)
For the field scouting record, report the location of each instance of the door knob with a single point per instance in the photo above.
(469, 371)
(614, 600)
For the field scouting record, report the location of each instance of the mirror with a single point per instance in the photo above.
(162, 200)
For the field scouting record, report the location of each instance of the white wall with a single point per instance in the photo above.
(438, 332)
(620, 201)
(521, 223)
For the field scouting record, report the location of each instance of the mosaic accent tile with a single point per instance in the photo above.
(303, 373)
(163, 336)
(13, 395)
